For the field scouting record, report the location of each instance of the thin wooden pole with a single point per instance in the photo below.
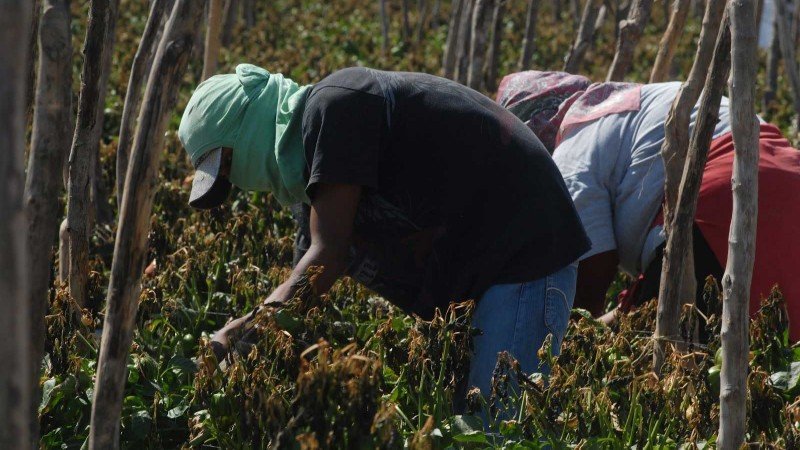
(789, 56)
(464, 40)
(50, 143)
(212, 38)
(584, 38)
(529, 41)
(742, 238)
(130, 249)
(493, 55)
(481, 21)
(630, 32)
(15, 371)
(449, 60)
(669, 42)
(677, 281)
(142, 61)
(406, 21)
(230, 16)
(384, 27)
(422, 20)
(96, 49)
(773, 61)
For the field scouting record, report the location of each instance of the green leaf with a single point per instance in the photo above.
(177, 411)
(468, 429)
(787, 381)
(183, 363)
(47, 391)
(287, 321)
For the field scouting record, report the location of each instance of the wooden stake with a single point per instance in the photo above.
(464, 40)
(493, 54)
(481, 21)
(449, 60)
(50, 143)
(585, 37)
(406, 21)
(742, 237)
(422, 19)
(773, 60)
(384, 27)
(212, 38)
(142, 61)
(230, 15)
(630, 31)
(15, 371)
(130, 249)
(669, 42)
(528, 42)
(96, 50)
(789, 53)
(677, 282)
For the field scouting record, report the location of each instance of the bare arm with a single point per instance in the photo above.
(333, 212)
(595, 275)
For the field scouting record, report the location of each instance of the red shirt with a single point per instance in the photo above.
(778, 229)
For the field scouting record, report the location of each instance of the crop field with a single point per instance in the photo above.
(348, 370)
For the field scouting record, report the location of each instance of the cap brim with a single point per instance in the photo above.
(209, 189)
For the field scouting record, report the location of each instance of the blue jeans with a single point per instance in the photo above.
(516, 318)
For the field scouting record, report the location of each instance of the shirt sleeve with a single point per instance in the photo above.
(343, 131)
(587, 173)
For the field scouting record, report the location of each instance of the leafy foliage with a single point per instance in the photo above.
(348, 370)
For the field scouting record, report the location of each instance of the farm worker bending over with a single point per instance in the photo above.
(420, 188)
(606, 140)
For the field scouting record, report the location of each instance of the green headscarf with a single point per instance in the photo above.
(259, 115)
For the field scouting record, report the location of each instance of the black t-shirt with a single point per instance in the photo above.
(458, 194)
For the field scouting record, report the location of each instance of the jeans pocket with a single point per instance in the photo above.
(556, 314)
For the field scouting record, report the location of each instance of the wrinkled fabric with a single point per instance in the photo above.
(259, 115)
(553, 103)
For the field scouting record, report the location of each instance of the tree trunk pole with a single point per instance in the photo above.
(742, 237)
(585, 37)
(15, 373)
(773, 61)
(31, 61)
(529, 41)
(464, 40)
(789, 56)
(230, 15)
(677, 281)
(630, 32)
(142, 61)
(557, 12)
(602, 13)
(576, 12)
(449, 60)
(50, 142)
(435, 20)
(384, 27)
(249, 13)
(130, 249)
(102, 16)
(212, 38)
(100, 208)
(493, 54)
(481, 21)
(669, 42)
(422, 20)
(406, 21)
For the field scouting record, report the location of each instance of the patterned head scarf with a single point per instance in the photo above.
(552, 103)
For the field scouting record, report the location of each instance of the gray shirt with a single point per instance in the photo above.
(614, 172)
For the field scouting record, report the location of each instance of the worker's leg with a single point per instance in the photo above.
(516, 318)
